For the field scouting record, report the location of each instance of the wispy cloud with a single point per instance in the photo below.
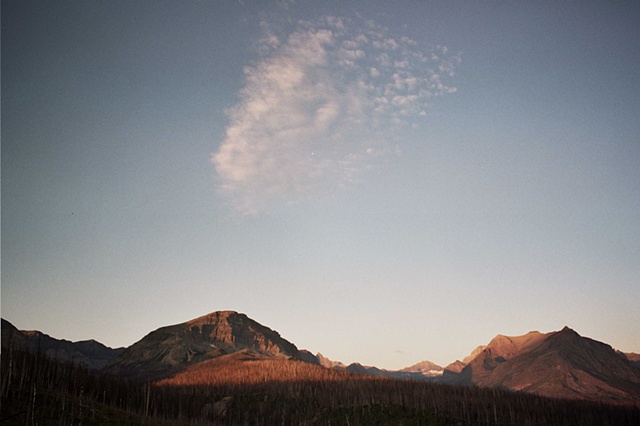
(318, 107)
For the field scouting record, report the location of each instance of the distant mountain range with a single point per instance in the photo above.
(559, 364)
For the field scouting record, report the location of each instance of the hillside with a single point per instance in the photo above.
(249, 368)
(90, 353)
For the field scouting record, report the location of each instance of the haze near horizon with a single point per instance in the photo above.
(382, 183)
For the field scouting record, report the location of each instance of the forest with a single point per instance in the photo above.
(250, 390)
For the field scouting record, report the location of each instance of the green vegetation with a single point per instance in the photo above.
(37, 390)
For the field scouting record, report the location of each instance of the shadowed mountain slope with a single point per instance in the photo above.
(633, 358)
(90, 353)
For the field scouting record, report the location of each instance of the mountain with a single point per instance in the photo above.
(247, 386)
(309, 357)
(560, 364)
(12, 337)
(356, 367)
(474, 353)
(456, 366)
(425, 368)
(90, 353)
(326, 362)
(633, 358)
(172, 348)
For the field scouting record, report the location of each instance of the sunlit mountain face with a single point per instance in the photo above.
(559, 364)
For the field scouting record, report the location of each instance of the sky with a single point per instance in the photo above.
(381, 182)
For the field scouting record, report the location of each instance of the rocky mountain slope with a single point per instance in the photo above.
(561, 364)
(456, 366)
(326, 362)
(169, 349)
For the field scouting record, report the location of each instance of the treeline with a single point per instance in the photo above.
(37, 390)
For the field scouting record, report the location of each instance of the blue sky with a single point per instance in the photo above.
(381, 182)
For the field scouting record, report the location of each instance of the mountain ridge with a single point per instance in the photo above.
(90, 353)
(557, 364)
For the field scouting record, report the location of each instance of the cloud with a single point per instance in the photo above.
(318, 107)
(285, 4)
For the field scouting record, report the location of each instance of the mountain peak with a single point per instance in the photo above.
(425, 368)
(215, 316)
(328, 363)
(208, 336)
(566, 335)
